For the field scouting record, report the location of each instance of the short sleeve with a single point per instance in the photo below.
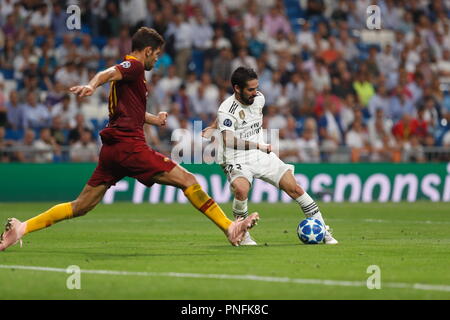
(226, 122)
(130, 69)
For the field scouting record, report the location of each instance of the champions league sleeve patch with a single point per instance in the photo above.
(126, 64)
(227, 123)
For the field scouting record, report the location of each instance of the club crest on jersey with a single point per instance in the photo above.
(242, 114)
(126, 64)
(227, 123)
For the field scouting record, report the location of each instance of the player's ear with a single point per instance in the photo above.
(148, 52)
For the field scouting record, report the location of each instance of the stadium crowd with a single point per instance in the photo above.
(334, 89)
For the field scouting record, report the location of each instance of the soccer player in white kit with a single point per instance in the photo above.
(244, 155)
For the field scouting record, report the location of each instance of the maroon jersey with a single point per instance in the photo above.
(127, 103)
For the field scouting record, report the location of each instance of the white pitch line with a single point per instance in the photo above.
(340, 283)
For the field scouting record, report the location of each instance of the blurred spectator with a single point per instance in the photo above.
(45, 147)
(330, 130)
(5, 156)
(88, 54)
(405, 128)
(399, 105)
(41, 18)
(295, 88)
(203, 106)
(275, 21)
(347, 112)
(77, 129)
(287, 147)
(380, 100)
(97, 12)
(169, 84)
(320, 76)
(132, 12)
(10, 27)
(58, 20)
(272, 89)
(36, 115)
(84, 150)
(183, 36)
(350, 51)
(25, 147)
(22, 62)
(386, 61)
(111, 50)
(57, 131)
(383, 145)
(124, 42)
(413, 151)
(201, 30)
(251, 18)
(184, 102)
(15, 112)
(305, 37)
(68, 75)
(364, 89)
(66, 51)
(446, 140)
(243, 59)
(221, 69)
(8, 54)
(111, 22)
(274, 119)
(308, 143)
(357, 139)
(3, 107)
(443, 66)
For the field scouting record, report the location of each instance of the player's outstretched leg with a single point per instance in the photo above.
(181, 178)
(241, 187)
(86, 201)
(308, 205)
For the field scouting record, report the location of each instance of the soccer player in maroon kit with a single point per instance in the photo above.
(125, 152)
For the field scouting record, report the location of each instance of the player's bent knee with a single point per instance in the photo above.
(241, 192)
(189, 179)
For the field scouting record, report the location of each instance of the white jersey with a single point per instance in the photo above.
(246, 124)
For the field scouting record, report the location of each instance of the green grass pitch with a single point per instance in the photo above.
(410, 242)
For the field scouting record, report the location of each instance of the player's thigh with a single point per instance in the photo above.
(273, 169)
(178, 177)
(235, 170)
(89, 197)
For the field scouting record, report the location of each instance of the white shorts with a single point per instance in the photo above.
(268, 168)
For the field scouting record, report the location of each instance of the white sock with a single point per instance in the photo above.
(309, 207)
(240, 209)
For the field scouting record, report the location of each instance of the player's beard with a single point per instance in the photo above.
(149, 64)
(247, 100)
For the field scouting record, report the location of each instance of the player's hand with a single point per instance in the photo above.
(208, 132)
(83, 91)
(266, 148)
(162, 117)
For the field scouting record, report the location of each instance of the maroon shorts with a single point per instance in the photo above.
(129, 159)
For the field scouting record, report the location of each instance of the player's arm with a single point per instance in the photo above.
(110, 74)
(208, 132)
(231, 141)
(156, 120)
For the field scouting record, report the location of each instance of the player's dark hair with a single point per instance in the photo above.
(241, 75)
(146, 37)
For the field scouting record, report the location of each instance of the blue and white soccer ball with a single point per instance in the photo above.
(311, 231)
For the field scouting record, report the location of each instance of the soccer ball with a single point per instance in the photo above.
(311, 231)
